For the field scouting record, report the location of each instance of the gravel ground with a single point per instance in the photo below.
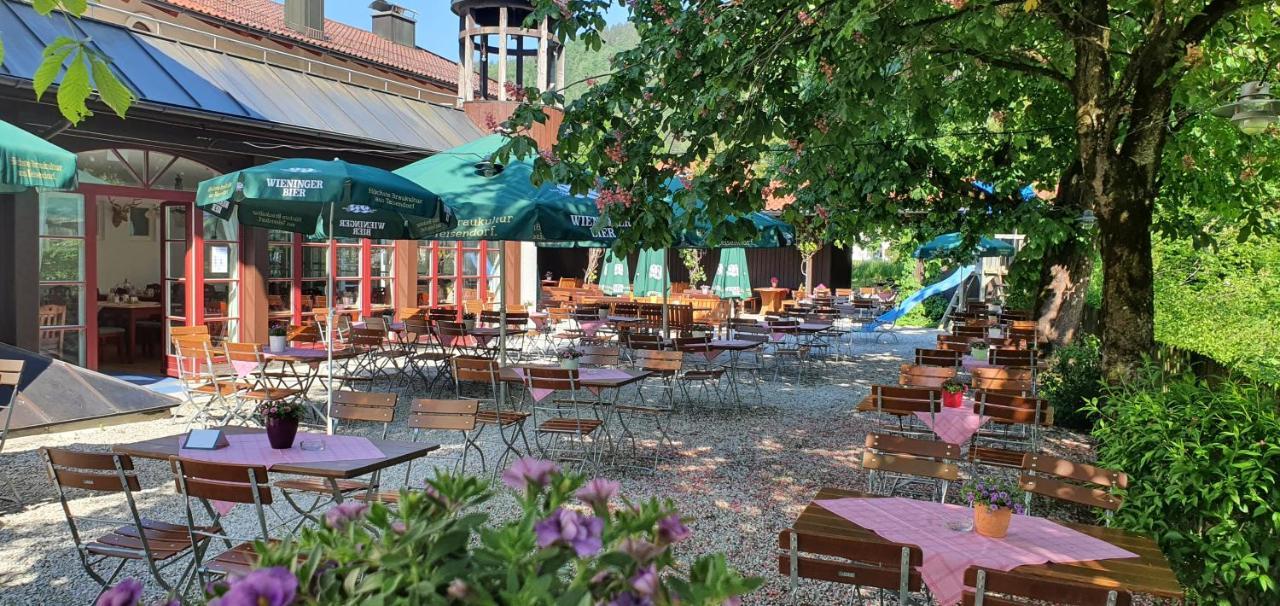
(739, 476)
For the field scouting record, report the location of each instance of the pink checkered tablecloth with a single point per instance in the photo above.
(590, 327)
(954, 425)
(970, 363)
(584, 374)
(948, 553)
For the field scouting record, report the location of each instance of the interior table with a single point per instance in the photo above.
(132, 312)
(394, 453)
(818, 531)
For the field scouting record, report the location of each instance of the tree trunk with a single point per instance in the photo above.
(1065, 272)
(1128, 289)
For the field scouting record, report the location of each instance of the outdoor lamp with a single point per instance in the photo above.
(1254, 109)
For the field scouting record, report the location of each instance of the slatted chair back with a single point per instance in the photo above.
(638, 341)
(417, 331)
(906, 399)
(404, 314)
(478, 370)
(73, 471)
(962, 348)
(938, 357)
(1011, 409)
(376, 323)
(1030, 334)
(204, 481)
(663, 363)
(970, 331)
(1018, 387)
(600, 355)
(367, 339)
(996, 588)
(450, 415)
(1072, 482)
(1022, 324)
(365, 406)
(873, 564)
(195, 361)
(626, 309)
(956, 341)
(692, 345)
(436, 314)
(180, 332)
(889, 454)
(303, 334)
(1017, 358)
(586, 313)
(1011, 315)
(911, 375)
(556, 379)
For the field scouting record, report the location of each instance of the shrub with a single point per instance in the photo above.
(871, 273)
(1203, 461)
(1072, 376)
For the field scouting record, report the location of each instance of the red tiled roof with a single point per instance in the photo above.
(268, 16)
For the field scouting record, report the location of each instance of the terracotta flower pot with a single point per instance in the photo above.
(952, 399)
(991, 523)
(281, 432)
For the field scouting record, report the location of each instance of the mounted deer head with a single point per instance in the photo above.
(120, 211)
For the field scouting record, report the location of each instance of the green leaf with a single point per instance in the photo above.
(75, 7)
(44, 7)
(51, 63)
(112, 91)
(75, 90)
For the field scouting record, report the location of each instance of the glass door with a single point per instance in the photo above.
(63, 317)
(220, 277)
(175, 259)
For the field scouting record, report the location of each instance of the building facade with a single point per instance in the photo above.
(222, 86)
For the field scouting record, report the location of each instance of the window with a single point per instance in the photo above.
(449, 272)
(221, 277)
(316, 261)
(382, 254)
(62, 277)
(141, 168)
(426, 272)
(280, 251)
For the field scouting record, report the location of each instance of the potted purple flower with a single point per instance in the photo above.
(281, 420)
(568, 357)
(994, 502)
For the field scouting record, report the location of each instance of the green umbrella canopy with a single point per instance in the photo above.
(613, 276)
(29, 161)
(651, 273)
(947, 243)
(732, 279)
(500, 202)
(770, 231)
(297, 195)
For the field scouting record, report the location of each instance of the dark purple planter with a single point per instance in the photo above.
(281, 432)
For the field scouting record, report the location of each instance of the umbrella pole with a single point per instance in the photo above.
(329, 326)
(666, 289)
(502, 321)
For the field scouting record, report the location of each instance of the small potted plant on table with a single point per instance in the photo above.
(994, 502)
(278, 339)
(953, 393)
(568, 357)
(979, 350)
(281, 420)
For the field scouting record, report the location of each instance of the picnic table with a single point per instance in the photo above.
(820, 531)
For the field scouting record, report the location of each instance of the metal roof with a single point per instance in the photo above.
(166, 73)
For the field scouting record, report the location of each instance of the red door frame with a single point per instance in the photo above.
(171, 363)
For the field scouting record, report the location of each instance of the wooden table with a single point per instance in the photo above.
(818, 531)
(509, 375)
(771, 299)
(133, 311)
(395, 452)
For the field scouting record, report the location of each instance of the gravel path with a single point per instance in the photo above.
(740, 476)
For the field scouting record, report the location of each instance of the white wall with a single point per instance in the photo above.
(121, 256)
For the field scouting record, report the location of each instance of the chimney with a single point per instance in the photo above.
(393, 22)
(305, 17)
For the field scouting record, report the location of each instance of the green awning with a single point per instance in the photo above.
(948, 243)
(732, 279)
(500, 202)
(299, 195)
(29, 161)
(614, 276)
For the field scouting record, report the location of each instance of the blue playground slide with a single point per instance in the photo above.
(938, 287)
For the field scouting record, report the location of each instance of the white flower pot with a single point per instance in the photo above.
(277, 344)
(569, 363)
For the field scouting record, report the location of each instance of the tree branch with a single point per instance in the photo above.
(1200, 25)
(1010, 64)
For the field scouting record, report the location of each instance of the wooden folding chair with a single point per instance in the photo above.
(911, 375)
(601, 356)
(240, 484)
(444, 415)
(1015, 358)
(254, 385)
(873, 564)
(1072, 482)
(482, 372)
(10, 377)
(938, 357)
(1014, 428)
(788, 347)
(156, 544)
(206, 384)
(996, 588)
(896, 407)
(1005, 380)
(425, 351)
(954, 343)
(893, 462)
(970, 330)
(565, 428)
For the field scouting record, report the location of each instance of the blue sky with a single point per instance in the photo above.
(437, 25)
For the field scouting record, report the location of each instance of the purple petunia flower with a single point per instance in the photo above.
(124, 593)
(597, 491)
(343, 514)
(630, 599)
(567, 527)
(398, 527)
(645, 581)
(274, 586)
(671, 530)
(528, 470)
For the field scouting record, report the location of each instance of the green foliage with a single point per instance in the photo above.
(1222, 302)
(871, 273)
(583, 63)
(85, 68)
(1202, 462)
(436, 547)
(1071, 377)
(692, 260)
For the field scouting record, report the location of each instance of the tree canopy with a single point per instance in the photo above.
(887, 113)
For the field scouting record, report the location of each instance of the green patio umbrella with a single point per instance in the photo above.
(732, 280)
(29, 161)
(947, 243)
(328, 198)
(614, 275)
(652, 278)
(499, 202)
